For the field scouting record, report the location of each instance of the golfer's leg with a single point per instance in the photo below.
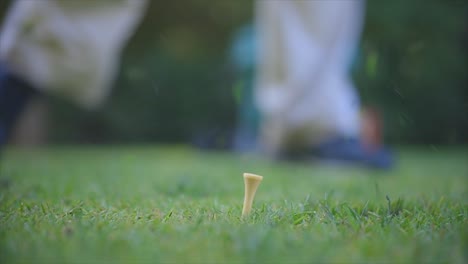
(14, 95)
(70, 48)
(302, 87)
(324, 101)
(304, 90)
(270, 82)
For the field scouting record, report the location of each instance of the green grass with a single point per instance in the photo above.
(174, 204)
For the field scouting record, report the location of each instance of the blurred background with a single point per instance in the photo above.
(177, 84)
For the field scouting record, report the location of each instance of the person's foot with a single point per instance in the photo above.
(353, 151)
(14, 95)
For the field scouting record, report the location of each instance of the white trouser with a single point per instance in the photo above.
(69, 47)
(303, 90)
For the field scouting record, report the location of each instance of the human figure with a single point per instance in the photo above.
(302, 89)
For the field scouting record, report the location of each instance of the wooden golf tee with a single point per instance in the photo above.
(251, 182)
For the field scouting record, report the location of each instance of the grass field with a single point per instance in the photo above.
(174, 204)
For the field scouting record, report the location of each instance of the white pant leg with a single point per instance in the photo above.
(69, 47)
(303, 87)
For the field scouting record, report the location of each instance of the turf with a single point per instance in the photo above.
(175, 204)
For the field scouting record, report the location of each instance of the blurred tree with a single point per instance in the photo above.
(414, 68)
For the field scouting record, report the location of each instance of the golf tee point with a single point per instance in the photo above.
(251, 183)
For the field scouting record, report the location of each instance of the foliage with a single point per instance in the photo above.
(413, 68)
